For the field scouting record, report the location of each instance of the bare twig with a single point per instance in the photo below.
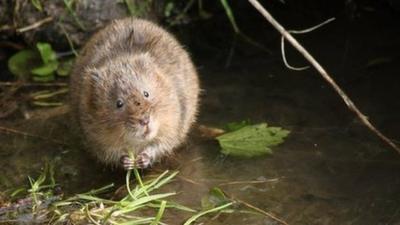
(188, 180)
(6, 27)
(70, 42)
(263, 212)
(249, 182)
(299, 32)
(59, 84)
(286, 62)
(35, 25)
(311, 28)
(9, 44)
(13, 131)
(323, 73)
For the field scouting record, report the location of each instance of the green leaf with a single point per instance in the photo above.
(253, 140)
(45, 70)
(46, 52)
(65, 67)
(21, 63)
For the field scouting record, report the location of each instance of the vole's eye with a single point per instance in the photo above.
(120, 103)
(146, 94)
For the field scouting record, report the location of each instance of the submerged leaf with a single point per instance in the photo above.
(200, 214)
(215, 197)
(253, 140)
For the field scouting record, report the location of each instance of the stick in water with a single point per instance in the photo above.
(323, 73)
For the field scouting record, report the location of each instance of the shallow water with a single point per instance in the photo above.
(331, 169)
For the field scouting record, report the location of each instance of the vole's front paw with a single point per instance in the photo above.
(143, 160)
(127, 162)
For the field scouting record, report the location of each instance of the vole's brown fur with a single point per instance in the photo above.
(133, 88)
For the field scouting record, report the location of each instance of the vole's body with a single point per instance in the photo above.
(134, 88)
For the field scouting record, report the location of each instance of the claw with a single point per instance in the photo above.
(143, 161)
(127, 163)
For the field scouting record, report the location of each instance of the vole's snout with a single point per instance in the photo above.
(144, 121)
(139, 121)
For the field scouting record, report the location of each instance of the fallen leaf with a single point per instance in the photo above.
(251, 140)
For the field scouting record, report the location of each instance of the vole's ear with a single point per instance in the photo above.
(137, 39)
(93, 75)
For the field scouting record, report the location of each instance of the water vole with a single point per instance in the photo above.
(133, 87)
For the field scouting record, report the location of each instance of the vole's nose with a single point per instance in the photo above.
(144, 121)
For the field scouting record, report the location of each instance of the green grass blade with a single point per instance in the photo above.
(163, 181)
(173, 205)
(160, 213)
(68, 5)
(138, 221)
(95, 199)
(146, 199)
(156, 180)
(139, 179)
(229, 13)
(127, 181)
(200, 214)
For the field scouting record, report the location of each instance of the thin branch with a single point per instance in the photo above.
(9, 44)
(286, 62)
(299, 32)
(35, 25)
(13, 131)
(59, 84)
(263, 212)
(323, 73)
(70, 42)
(249, 182)
(6, 27)
(311, 28)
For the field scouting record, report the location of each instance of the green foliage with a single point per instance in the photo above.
(22, 62)
(251, 140)
(40, 64)
(47, 53)
(45, 72)
(88, 208)
(65, 67)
